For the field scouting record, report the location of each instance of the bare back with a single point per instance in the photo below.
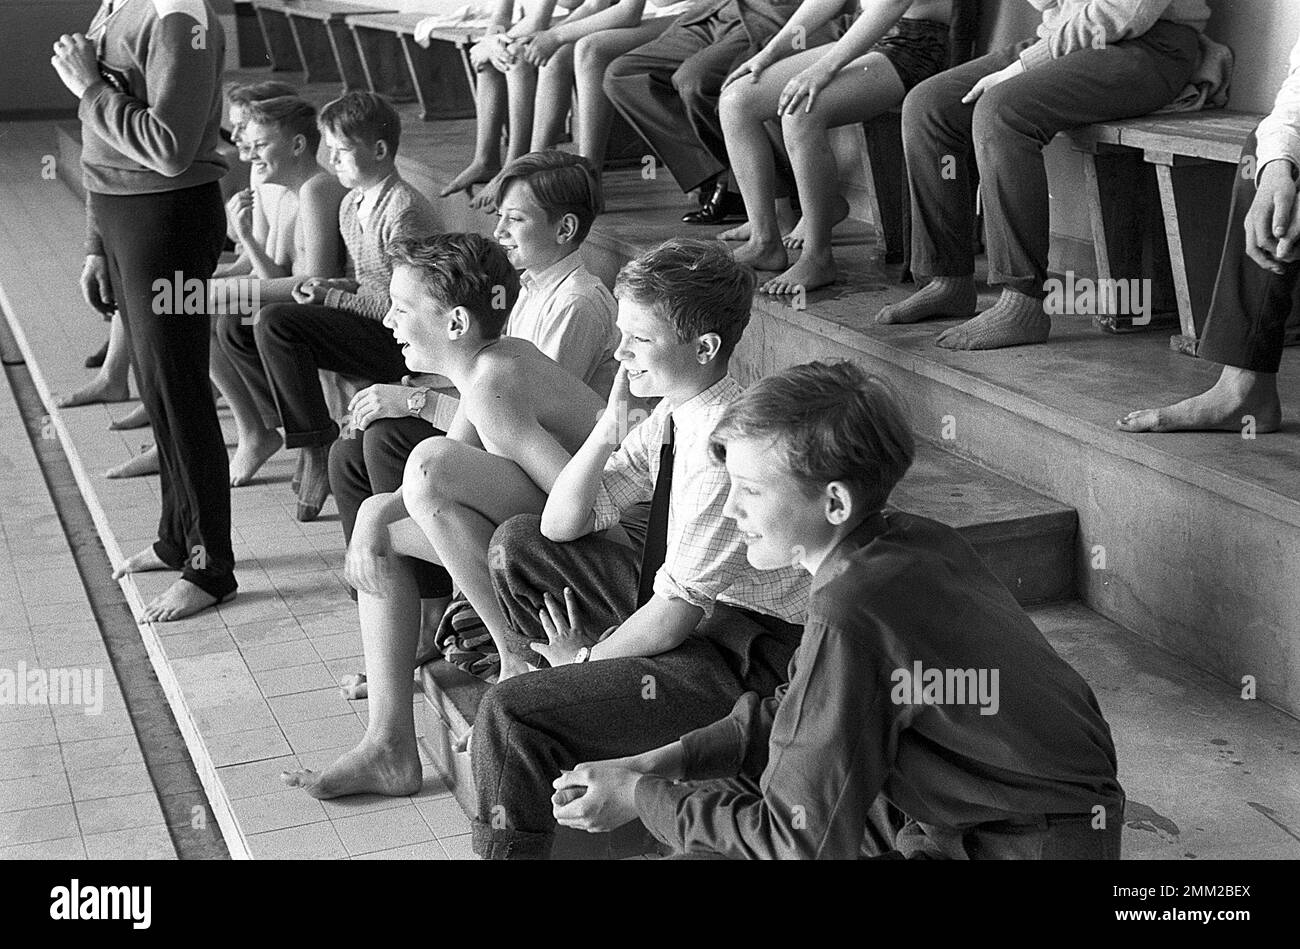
(534, 387)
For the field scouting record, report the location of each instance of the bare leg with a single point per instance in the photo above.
(491, 106)
(521, 87)
(458, 495)
(1237, 397)
(554, 92)
(257, 441)
(591, 57)
(865, 88)
(111, 383)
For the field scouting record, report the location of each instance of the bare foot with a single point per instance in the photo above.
(145, 463)
(180, 600)
(738, 233)
(136, 418)
(369, 768)
(477, 173)
(806, 274)
(98, 391)
(142, 562)
(1238, 397)
(251, 454)
(761, 256)
(354, 686)
(794, 240)
(482, 201)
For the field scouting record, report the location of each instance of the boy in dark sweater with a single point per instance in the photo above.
(920, 686)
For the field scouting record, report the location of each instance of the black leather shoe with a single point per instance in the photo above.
(721, 206)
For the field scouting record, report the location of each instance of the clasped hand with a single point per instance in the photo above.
(75, 61)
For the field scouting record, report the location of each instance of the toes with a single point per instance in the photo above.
(298, 779)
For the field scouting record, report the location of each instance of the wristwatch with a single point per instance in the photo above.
(583, 655)
(415, 401)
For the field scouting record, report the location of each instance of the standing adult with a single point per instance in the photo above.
(148, 74)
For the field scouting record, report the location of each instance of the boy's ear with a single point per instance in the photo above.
(838, 501)
(706, 348)
(299, 144)
(566, 229)
(457, 323)
(381, 150)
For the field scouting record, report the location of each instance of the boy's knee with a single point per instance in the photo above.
(798, 123)
(694, 84)
(999, 118)
(428, 468)
(927, 101)
(589, 56)
(618, 74)
(273, 322)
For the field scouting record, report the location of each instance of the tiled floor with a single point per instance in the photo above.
(73, 782)
(257, 675)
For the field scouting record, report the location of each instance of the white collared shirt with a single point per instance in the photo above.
(366, 204)
(567, 313)
(1279, 134)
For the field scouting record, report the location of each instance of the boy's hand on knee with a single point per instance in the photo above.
(1273, 224)
(365, 566)
(378, 401)
(993, 79)
(565, 632)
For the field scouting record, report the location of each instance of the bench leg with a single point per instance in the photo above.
(281, 47)
(313, 49)
(383, 63)
(438, 84)
(346, 57)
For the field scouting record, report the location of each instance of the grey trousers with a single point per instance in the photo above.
(1008, 127)
(531, 727)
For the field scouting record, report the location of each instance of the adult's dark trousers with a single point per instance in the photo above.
(673, 83)
(294, 342)
(372, 462)
(1007, 127)
(1251, 306)
(156, 246)
(530, 728)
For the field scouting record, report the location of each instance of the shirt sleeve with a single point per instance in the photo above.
(575, 335)
(735, 744)
(181, 75)
(625, 481)
(1093, 25)
(1279, 133)
(832, 739)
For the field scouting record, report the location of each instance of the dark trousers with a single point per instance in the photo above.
(1008, 127)
(531, 727)
(372, 462)
(1251, 306)
(175, 236)
(293, 342)
(672, 84)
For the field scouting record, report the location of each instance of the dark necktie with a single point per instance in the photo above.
(656, 534)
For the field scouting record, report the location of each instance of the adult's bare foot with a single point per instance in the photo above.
(354, 686)
(794, 240)
(1238, 397)
(369, 768)
(251, 454)
(136, 418)
(180, 600)
(477, 173)
(97, 391)
(142, 562)
(806, 274)
(145, 463)
(761, 256)
(482, 201)
(739, 233)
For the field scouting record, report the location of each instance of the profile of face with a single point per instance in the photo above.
(779, 520)
(417, 321)
(238, 124)
(354, 163)
(529, 238)
(273, 151)
(657, 363)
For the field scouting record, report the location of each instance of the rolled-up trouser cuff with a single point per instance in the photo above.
(496, 843)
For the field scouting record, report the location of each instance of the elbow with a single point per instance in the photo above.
(557, 528)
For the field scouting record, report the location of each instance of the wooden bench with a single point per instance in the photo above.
(439, 77)
(321, 45)
(1172, 174)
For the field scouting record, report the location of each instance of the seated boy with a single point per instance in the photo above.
(1006, 756)
(520, 418)
(691, 625)
(1255, 293)
(547, 203)
(336, 323)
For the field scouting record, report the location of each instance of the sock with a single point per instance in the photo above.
(1015, 320)
(942, 296)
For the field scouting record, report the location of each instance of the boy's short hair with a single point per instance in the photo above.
(294, 114)
(245, 94)
(363, 117)
(466, 270)
(834, 422)
(694, 284)
(561, 182)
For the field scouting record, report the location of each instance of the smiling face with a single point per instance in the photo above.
(273, 151)
(355, 164)
(781, 523)
(416, 320)
(531, 241)
(238, 125)
(657, 364)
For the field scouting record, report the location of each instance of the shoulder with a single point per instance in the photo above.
(195, 9)
(322, 191)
